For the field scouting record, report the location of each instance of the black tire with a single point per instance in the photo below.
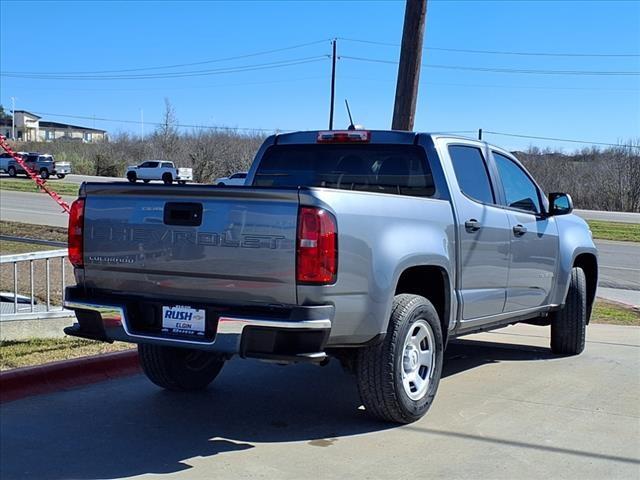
(12, 171)
(569, 325)
(44, 174)
(179, 369)
(167, 178)
(379, 368)
(61, 175)
(132, 177)
(146, 180)
(221, 184)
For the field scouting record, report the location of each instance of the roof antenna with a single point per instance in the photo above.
(351, 125)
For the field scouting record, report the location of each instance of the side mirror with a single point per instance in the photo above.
(560, 204)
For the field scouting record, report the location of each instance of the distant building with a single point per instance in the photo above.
(30, 127)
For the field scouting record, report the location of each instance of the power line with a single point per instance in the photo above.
(535, 137)
(179, 65)
(180, 125)
(250, 129)
(526, 87)
(145, 89)
(192, 73)
(502, 70)
(499, 52)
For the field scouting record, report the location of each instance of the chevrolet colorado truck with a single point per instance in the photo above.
(372, 247)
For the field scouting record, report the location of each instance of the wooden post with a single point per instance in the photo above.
(404, 110)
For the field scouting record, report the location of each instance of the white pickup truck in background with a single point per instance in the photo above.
(159, 170)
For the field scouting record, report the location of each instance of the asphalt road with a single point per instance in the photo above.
(506, 409)
(35, 208)
(622, 217)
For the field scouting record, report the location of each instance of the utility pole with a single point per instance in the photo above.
(13, 118)
(404, 110)
(333, 84)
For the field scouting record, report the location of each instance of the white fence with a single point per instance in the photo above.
(15, 305)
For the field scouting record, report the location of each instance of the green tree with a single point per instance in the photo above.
(3, 114)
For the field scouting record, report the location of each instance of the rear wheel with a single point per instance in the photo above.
(61, 175)
(167, 178)
(132, 177)
(12, 171)
(44, 173)
(569, 325)
(179, 369)
(399, 377)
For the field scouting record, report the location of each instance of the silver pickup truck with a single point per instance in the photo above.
(373, 247)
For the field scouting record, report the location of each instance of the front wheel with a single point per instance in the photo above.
(569, 325)
(179, 369)
(398, 378)
(12, 171)
(132, 177)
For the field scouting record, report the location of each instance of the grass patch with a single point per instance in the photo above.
(41, 232)
(614, 314)
(28, 185)
(11, 248)
(38, 351)
(626, 232)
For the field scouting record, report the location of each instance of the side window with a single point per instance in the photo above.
(167, 165)
(153, 165)
(519, 190)
(471, 172)
(144, 165)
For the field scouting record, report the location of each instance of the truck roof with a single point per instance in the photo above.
(377, 136)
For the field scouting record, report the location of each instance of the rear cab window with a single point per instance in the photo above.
(381, 168)
(471, 172)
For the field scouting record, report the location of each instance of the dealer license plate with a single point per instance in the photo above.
(183, 320)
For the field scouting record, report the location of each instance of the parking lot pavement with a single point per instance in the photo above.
(506, 409)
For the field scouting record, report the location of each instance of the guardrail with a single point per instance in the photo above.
(19, 307)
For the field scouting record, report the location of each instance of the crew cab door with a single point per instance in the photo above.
(147, 171)
(534, 237)
(483, 233)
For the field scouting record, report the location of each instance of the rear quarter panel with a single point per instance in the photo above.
(379, 236)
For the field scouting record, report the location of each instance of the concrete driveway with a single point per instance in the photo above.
(506, 409)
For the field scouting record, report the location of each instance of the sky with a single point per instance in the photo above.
(288, 89)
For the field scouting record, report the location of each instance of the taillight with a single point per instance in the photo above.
(317, 247)
(75, 233)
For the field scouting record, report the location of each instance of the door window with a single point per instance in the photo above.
(471, 172)
(520, 192)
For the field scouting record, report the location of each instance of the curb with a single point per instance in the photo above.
(55, 376)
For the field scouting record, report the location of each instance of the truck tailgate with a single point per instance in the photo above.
(192, 243)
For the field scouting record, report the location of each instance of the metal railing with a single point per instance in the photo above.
(19, 307)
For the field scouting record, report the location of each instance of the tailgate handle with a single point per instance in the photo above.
(183, 213)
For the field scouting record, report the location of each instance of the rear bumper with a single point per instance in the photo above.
(290, 333)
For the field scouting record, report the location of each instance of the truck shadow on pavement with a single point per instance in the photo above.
(129, 427)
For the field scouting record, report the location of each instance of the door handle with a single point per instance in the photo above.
(519, 230)
(472, 225)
